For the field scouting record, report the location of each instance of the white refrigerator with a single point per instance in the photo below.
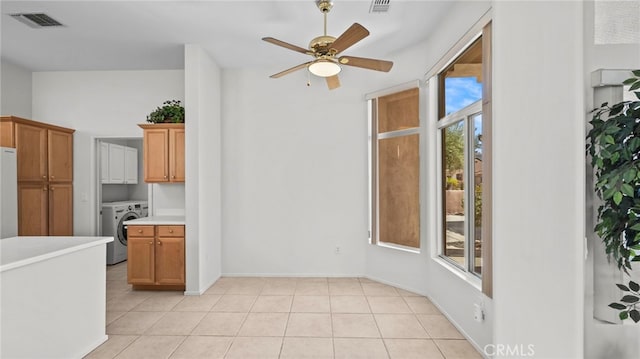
(8, 193)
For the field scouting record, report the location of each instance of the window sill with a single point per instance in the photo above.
(398, 247)
(470, 278)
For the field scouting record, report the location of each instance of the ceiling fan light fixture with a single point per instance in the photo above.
(324, 68)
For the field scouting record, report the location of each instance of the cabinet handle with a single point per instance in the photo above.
(165, 177)
(159, 243)
(52, 188)
(171, 231)
(52, 177)
(139, 230)
(151, 242)
(44, 188)
(44, 177)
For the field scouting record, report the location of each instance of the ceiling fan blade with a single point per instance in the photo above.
(333, 82)
(353, 34)
(371, 64)
(288, 71)
(286, 45)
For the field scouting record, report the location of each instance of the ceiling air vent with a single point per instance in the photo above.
(379, 6)
(36, 20)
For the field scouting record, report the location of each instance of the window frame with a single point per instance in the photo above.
(373, 138)
(482, 28)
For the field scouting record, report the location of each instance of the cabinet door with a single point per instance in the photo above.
(60, 156)
(156, 159)
(60, 209)
(140, 260)
(104, 162)
(7, 137)
(170, 260)
(32, 209)
(130, 165)
(31, 148)
(176, 155)
(116, 163)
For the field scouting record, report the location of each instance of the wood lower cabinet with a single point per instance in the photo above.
(60, 209)
(33, 213)
(164, 153)
(156, 256)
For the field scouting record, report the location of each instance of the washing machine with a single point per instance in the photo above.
(113, 215)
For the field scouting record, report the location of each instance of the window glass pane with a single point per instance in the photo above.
(398, 111)
(476, 120)
(453, 140)
(398, 188)
(462, 80)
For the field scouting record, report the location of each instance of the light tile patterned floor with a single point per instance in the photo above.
(277, 318)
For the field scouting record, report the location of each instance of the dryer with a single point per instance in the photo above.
(113, 215)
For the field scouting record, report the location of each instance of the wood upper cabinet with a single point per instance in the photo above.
(33, 199)
(176, 155)
(156, 256)
(31, 149)
(60, 209)
(60, 156)
(164, 153)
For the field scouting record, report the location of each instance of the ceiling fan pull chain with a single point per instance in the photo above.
(308, 79)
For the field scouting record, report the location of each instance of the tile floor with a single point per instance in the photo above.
(276, 318)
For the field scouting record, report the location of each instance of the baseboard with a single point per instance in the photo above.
(93, 346)
(203, 289)
(293, 275)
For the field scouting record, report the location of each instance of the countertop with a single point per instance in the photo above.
(17, 252)
(156, 220)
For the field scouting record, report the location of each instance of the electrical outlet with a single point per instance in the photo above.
(478, 313)
(337, 250)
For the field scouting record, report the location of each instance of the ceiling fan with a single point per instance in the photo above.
(325, 49)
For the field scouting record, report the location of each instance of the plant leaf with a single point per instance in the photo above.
(629, 81)
(617, 197)
(623, 315)
(635, 315)
(635, 86)
(634, 286)
(627, 189)
(618, 306)
(623, 287)
(636, 72)
(630, 299)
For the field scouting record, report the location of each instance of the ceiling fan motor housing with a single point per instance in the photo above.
(320, 45)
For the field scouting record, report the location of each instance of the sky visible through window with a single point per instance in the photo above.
(461, 92)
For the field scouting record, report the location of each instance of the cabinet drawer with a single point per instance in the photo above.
(170, 231)
(140, 231)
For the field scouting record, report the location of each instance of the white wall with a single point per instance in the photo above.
(15, 99)
(203, 167)
(603, 339)
(99, 104)
(294, 175)
(538, 97)
(419, 272)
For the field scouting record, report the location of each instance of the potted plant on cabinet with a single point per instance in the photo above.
(172, 111)
(614, 147)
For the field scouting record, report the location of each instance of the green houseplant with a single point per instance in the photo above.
(172, 111)
(614, 147)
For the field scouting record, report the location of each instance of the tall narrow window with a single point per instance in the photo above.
(395, 170)
(463, 155)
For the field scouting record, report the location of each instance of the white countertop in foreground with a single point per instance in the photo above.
(17, 252)
(156, 220)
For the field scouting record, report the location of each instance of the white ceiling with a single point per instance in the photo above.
(134, 35)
